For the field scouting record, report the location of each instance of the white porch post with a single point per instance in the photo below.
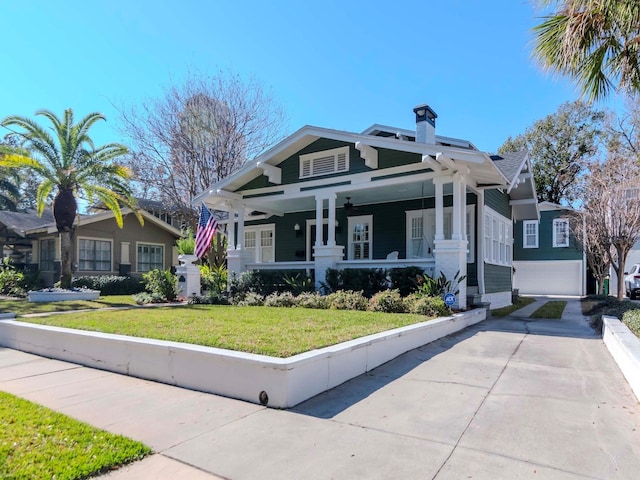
(451, 254)
(232, 229)
(331, 228)
(438, 183)
(236, 260)
(326, 256)
(240, 239)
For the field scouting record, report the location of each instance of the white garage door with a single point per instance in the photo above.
(549, 278)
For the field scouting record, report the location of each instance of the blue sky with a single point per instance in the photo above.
(337, 64)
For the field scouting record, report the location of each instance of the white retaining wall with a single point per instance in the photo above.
(286, 381)
(624, 347)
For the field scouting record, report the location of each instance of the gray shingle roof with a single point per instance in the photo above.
(510, 163)
(20, 222)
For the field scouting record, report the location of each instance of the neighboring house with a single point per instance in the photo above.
(100, 247)
(547, 257)
(14, 242)
(167, 213)
(385, 198)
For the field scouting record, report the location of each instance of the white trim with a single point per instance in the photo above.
(355, 220)
(257, 250)
(308, 161)
(556, 243)
(368, 154)
(152, 244)
(525, 224)
(95, 239)
(311, 241)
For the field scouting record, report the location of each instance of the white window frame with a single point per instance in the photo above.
(498, 238)
(151, 244)
(525, 235)
(258, 251)
(94, 239)
(312, 158)
(560, 221)
(428, 215)
(352, 221)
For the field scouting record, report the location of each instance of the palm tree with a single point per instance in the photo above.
(69, 165)
(596, 42)
(9, 192)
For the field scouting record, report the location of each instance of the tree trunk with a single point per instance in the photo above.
(65, 260)
(65, 209)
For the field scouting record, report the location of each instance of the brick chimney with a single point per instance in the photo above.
(425, 124)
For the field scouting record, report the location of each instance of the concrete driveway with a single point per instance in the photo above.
(506, 399)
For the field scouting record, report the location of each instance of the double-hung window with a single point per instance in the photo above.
(530, 234)
(360, 237)
(94, 255)
(150, 257)
(561, 232)
(498, 238)
(47, 254)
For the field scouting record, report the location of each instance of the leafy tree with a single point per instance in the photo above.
(595, 42)
(197, 133)
(560, 146)
(68, 164)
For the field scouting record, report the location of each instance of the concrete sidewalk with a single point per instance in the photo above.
(506, 399)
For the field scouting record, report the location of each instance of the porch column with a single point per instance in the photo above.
(232, 229)
(438, 183)
(459, 208)
(331, 228)
(240, 239)
(319, 220)
(236, 260)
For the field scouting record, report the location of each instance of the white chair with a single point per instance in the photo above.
(393, 255)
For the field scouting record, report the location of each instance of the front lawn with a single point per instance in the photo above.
(22, 306)
(279, 332)
(551, 309)
(37, 443)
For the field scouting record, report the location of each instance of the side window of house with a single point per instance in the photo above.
(360, 237)
(47, 254)
(94, 255)
(150, 257)
(498, 239)
(530, 234)
(259, 241)
(561, 232)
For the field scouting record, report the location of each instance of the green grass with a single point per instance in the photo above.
(504, 311)
(279, 332)
(37, 443)
(551, 309)
(22, 306)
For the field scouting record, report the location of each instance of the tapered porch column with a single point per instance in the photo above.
(451, 254)
(236, 256)
(325, 256)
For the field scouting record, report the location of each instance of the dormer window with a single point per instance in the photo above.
(324, 163)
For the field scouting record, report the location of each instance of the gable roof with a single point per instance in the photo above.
(21, 222)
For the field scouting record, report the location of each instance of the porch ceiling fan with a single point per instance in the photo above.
(351, 209)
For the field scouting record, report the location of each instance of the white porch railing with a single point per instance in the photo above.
(427, 264)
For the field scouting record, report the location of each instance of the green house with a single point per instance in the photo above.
(386, 197)
(548, 257)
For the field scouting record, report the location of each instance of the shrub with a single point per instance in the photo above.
(145, 297)
(284, 299)
(423, 305)
(251, 299)
(213, 279)
(264, 282)
(438, 287)
(299, 283)
(313, 300)
(210, 298)
(347, 300)
(162, 284)
(404, 279)
(110, 284)
(631, 319)
(367, 280)
(388, 301)
(12, 281)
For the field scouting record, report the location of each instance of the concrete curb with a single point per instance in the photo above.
(276, 382)
(7, 316)
(624, 347)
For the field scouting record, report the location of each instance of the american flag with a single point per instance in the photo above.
(207, 226)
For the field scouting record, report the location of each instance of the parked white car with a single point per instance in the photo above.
(632, 281)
